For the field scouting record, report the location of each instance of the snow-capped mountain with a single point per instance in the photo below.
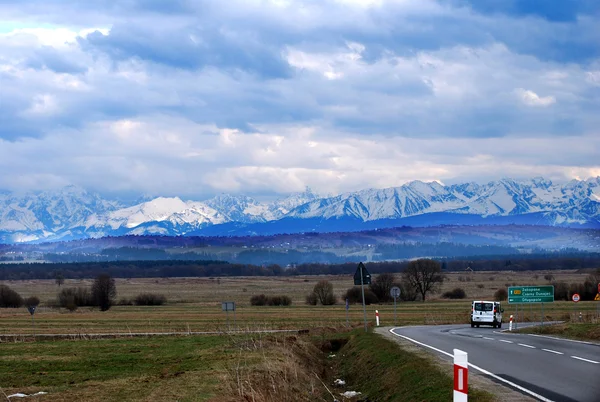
(72, 212)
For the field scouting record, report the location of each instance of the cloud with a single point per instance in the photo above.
(269, 96)
(530, 98)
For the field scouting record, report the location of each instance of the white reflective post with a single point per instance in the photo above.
(461, 376)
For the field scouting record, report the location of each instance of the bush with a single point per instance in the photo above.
(456, 293)
(259, 300)
(561, 291)
(311, 299)
(354, 295)
(149, 299)
(9, 297)
(501, 294)
(71, 298)
(31, 301)
(262, 300)
(322, 293)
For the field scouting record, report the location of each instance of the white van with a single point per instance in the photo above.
(486, 313)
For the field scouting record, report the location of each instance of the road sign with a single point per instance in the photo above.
(599, 288)
(530, 294)
(597, 298)
(228, 306)
(366, 276)
(575, 297)
(395, 292)
(31, 309)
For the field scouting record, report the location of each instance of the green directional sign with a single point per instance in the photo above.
(530, 294)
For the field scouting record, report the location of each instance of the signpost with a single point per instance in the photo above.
(575, 297)
(228, 306)
(32, 311)
(531, 294)
(395, 293)
(347, 308)
(362, 277)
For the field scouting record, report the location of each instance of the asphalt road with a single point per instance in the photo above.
(553, 369)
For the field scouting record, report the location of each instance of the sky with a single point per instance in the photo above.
(267, 97)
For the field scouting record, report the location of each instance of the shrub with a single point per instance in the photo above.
(354, 295)
(322, 293)
(311, 299)
(456, 293)
(561, 291)
(71, 298)
(259, 300)
(480, 286)
(262, 300)
(31, 301)
(501, 294)
(9, 297)
(149, 299)
(549, 277)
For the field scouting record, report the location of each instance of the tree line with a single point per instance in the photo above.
(169, 268)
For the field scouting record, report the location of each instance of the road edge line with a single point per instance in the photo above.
(512, 384)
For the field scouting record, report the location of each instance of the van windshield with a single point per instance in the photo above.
(484, 306)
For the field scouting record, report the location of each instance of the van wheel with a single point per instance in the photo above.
(500, 324)
(477, 325)
(472, 325)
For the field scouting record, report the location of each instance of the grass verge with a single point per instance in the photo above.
(256, 367)
(382, 371)
(578, 331)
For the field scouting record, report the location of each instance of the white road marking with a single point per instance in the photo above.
(553, 351)
(505, 341)
(489, 339)
(585, 360)
(527, 346)
(512, 384)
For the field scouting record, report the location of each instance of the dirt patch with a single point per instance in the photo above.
(476, 380)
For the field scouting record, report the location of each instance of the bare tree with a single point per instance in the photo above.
(423, 276)
(382, 285)
(104, 291)
(323, 292)
(59, 279)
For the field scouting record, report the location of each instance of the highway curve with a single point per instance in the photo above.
(547, 368)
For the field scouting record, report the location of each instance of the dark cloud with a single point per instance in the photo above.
(52, 59)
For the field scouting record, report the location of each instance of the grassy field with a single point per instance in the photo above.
(194, 304)
(584, 331)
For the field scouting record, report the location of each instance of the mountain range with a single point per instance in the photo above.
(75, 213)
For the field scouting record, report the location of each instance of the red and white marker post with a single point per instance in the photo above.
(510, 323)
(461, 376)
(377, 317)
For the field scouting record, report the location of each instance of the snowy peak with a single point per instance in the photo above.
(73, 212)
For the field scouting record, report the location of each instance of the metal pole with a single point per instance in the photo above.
(234, 321)
(33, 325)
(227, 314)
(347, 321)
(517, 315)
(542, 314)
(395, 312)
(362, 287)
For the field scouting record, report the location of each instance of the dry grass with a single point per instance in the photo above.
(194, 304)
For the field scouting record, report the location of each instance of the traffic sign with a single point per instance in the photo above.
(599, 288)
(597, 298)
(228, 306)
(530, 294)
(575, 297)
(366, 276)
(31, 309)
(395, 292)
